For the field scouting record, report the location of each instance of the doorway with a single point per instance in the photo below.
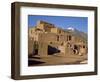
(52, 50)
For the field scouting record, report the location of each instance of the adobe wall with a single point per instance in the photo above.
(55, 37)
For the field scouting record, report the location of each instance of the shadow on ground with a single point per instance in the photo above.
(34, 62)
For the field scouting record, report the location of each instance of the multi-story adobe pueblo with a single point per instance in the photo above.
(46, 39)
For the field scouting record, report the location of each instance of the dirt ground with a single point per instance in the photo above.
(57, 60)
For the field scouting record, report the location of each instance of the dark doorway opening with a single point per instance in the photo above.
(35, 52)
(52, 50)
(76, 47)
(35, 48)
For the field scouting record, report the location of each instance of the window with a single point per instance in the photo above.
(59, 31)
(69, 38)
(83, 46)
(50, 42)
(62, 44)
(57, 38)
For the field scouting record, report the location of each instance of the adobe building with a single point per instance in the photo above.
(46, 39)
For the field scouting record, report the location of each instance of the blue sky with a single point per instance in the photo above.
(79, 23)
